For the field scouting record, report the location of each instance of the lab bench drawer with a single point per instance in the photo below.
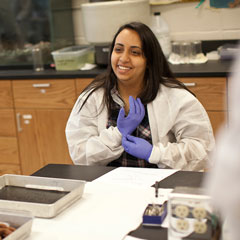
(44, 93)
(210, 91)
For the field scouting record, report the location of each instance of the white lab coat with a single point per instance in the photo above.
(182, 135)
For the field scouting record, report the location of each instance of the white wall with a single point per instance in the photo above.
(184, 20)
(77, 22)
(205, 23)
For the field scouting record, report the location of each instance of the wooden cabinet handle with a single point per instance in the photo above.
(19, 128)
(41, 85)
(190, 84)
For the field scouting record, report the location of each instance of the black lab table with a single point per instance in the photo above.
(89, 173)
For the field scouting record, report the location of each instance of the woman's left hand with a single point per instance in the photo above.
(126, 125)
(137, 147)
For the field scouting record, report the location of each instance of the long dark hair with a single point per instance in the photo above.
(157, 69)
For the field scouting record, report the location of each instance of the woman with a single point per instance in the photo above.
(137, 114)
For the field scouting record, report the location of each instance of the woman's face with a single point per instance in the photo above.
(128, 61)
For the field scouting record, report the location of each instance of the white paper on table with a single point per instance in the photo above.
(128, 237)
(105, 211)
(137, 177)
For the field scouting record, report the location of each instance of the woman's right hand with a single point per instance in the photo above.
(126, 125)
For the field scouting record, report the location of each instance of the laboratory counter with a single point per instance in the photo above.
(90, 173)
(28, 98)
(212, 68)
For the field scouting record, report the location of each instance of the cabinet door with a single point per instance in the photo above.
(9, 159)
(82, 83)
(8, 149)
(211, 92)
(42, 139)
(7, 123)
(42, 109)
(6, 100)
(8, 139)
(218, 120)
(10, 169)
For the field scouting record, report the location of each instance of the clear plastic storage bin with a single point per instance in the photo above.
(73, 58)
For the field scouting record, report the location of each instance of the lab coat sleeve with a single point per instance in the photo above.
(88, 143)
(189, 125)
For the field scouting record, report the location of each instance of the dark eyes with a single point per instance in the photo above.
(118, 49)
(134, 52)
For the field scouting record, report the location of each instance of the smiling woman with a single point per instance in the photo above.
(129, 64)
(137, 114)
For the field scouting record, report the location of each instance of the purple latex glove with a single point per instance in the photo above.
(138, 147)
(126, 125)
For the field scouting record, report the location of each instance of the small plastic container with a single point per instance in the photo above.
(185, 52)
(37, 59)
(73, 58)
(196, 48)
(228, 51)
(152, 217)
(191, 215)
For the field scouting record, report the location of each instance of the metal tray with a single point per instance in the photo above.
(21, 220)
(43, 197)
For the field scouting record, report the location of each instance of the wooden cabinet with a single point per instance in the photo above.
(34, 113)
(42, 109)
(6, 94)
(42, 138)
(55, 94)
(9, 158)
(82, 83)
(211, 92)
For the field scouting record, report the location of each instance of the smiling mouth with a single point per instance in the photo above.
(124, 67)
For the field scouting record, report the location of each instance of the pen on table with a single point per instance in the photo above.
(156, 194)
(156, 189)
